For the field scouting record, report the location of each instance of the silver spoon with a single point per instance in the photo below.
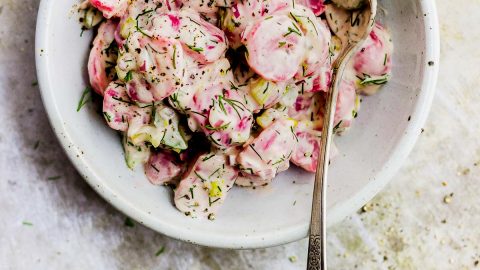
(352, 30)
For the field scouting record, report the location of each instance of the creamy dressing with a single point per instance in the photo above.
(269, 153)
(245, 81)
(101, 62)
(204, 188)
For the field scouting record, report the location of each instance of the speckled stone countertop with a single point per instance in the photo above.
(427, 218)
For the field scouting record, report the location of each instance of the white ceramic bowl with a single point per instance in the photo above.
(370, 153)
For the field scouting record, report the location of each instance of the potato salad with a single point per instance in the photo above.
(209, 94)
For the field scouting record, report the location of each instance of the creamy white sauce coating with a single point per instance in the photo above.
(205, 186)
(270, 152)
(249, 77)
(103, 56)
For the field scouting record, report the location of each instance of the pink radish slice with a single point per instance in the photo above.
(374, 57)
(100, 55)
(345, 103)
(119, 110)
(275, 47)
(163, 167)
(305, 155)
(205, 186)
(306, 152)
(111, 8)
(270, 152)
(317, 6)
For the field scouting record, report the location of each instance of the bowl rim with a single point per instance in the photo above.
(338, 211)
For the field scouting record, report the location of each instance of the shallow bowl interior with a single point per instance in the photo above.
(384, 133)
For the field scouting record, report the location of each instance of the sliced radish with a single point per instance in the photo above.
(275, 47)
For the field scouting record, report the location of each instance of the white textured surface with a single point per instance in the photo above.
(407, 226)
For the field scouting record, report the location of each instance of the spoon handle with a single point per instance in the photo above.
(317, 238)
(318, 232)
